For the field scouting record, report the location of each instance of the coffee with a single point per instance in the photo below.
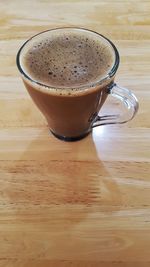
(66, 72)
(67, 60)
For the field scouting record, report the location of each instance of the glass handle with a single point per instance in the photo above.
(128, 99)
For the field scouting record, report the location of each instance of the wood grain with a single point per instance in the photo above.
(82, 204)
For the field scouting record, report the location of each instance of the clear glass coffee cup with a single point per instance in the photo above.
(73, 109)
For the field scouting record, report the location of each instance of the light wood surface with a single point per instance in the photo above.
(82, 204)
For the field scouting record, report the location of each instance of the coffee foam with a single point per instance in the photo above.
(67, 60)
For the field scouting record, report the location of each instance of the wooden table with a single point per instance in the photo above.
(81, 204)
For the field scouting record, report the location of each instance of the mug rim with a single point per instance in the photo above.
(104, 79)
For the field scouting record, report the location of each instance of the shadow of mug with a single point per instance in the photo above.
(57, 189)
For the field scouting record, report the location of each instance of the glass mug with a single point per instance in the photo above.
(71, 116)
